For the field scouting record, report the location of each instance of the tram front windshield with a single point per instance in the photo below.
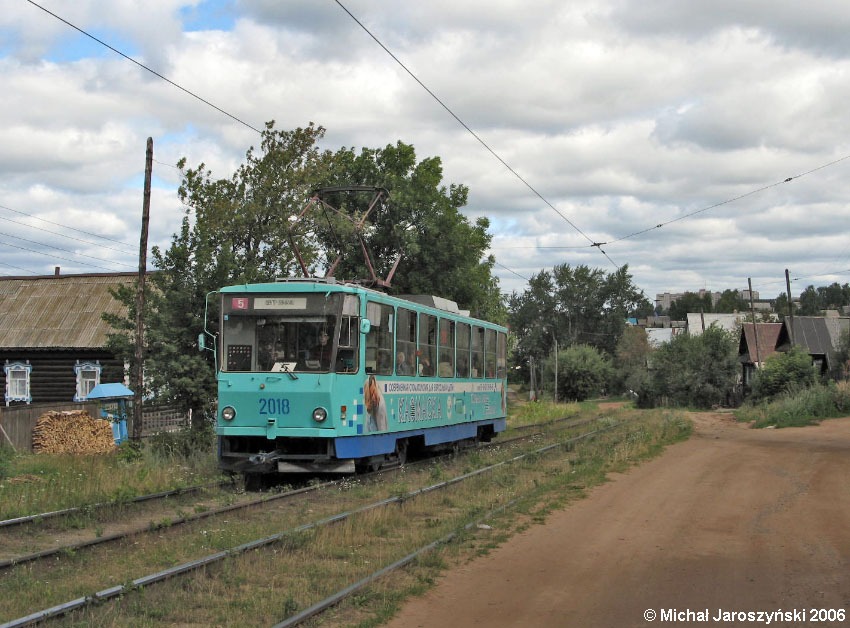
(276, 333)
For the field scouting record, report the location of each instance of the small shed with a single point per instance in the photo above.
(115, 403)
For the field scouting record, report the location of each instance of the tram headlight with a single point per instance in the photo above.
(228, 413)
(319, 415)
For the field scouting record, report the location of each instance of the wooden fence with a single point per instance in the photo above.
(17, 422)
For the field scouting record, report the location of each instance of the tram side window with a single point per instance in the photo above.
(490, 353)
(502, 356)
(349, 336)
(379, 340)
(446, 366)
(477, 353)
(463, 350)
(427, 345)
(405, 342)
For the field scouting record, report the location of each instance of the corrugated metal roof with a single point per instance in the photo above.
(768, 334)
(729, 322)
(58, 311)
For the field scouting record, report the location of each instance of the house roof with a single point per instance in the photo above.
(818, 336)
(767, 334)
(729, 322)
(58, 311)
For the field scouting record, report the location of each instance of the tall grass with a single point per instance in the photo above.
(796, 408)
(30, 483)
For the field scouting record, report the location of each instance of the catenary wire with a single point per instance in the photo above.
(475, 135)
(144, 67)
(26, 270)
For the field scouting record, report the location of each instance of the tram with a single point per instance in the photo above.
(316, 375)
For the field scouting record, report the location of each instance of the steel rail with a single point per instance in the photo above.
(117, 536)
(62, 609)
(135, 500)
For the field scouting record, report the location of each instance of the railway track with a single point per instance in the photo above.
(190, 566)
(70, 548)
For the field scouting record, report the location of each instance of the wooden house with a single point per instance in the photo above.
(53, 337)
(819, 337)
(752, 356)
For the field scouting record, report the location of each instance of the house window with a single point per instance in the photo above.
(88, 376)
(18, 381)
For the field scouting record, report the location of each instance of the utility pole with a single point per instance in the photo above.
(755, 329)
(556, 365)
(139, 382)
(790, 307)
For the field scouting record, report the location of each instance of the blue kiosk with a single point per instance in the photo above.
(115, 401)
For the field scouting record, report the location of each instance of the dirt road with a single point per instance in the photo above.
(733, 519)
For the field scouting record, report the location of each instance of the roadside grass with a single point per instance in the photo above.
(31, 484)
(798, 408)
(269, 584)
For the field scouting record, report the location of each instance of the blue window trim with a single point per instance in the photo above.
(17, 367)
(79, 367)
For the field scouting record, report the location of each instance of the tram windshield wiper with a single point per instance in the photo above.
(286, 370)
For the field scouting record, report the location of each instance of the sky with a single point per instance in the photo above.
(622, 115)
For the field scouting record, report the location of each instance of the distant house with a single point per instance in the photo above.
(657, 336)
(819, 337)
(730, 322)
(752, 356)
(53, 337)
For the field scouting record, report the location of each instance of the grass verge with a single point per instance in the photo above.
(797, 408)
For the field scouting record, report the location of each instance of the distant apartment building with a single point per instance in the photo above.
(665, 300)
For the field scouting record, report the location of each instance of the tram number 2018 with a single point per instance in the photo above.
(274, 406)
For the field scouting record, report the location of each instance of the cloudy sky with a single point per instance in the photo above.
(621, 114)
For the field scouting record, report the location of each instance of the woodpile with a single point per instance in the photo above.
(71, 433)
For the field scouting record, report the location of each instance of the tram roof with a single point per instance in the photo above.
(318, 284)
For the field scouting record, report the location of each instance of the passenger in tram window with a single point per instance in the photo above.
(400, 365)
(320, 355)
(425, 368)
(411, 363)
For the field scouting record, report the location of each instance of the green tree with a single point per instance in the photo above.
(730, 301)
(630, 358)
(689, 302)
(442, 252)
(782, 372)
(583, 372)
(780, 305)
(692, 370)
(233, 231)
(810, 304)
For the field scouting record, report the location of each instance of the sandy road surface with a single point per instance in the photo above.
(734, 518)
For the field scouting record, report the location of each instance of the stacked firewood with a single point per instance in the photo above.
(71, 433)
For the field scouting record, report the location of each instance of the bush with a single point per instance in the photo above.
(583, 372)
(783, 372)
(799, 407)
(185, 443)
(691, 370)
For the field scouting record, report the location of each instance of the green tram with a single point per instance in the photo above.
(320, 376)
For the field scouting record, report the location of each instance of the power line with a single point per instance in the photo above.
(26, 270)
(64, 259)
(65, 226)
(144, 67)
(475, 135)
(59, 248)
(511, 270)
(62, 235)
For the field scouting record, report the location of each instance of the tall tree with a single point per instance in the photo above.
(442, 252)
(233, 231)
(578, 305)
(689, 302)
(730, 301)
(810, 304)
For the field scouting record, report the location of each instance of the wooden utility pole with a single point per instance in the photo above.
(755, 328)
(139, 383)
(790, 307)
